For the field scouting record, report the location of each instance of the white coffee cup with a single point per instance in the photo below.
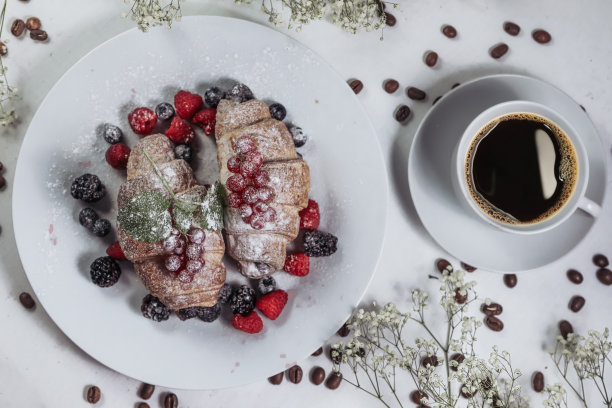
(576, 200)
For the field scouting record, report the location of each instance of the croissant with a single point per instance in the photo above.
(260, 252)
(149, 258)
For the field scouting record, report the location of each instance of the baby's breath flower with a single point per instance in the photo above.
(7, 93)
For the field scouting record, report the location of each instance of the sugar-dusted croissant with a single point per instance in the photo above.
(149, 258)
(260, 249)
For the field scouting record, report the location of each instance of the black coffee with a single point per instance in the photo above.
(521, 168)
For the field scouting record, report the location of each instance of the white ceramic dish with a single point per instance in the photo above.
(454, 226)
(134, 69)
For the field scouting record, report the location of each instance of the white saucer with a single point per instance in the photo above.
(453, 225)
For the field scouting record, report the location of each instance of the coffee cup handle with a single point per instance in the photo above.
(589, 206)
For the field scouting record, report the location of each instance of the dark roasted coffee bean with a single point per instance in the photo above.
(465, 393)
(541, 36)
(583, 108)
(318, 352)
(574, 276)
(33, 23)
(512, 28)
(276, 379)
(402, 113)
(492, 309)
(449, 31)
(494, 323)
(356, 85)
(415, 93)
(390, 19)
(416, 396)
(317, 375)
(171, 400)
(335, 355)
(146, 390)
(391, 85)
(430, 361)
(26, 300)
(565, 328)
(93, 394)
(458, 357)
(510, 280)
(18, 27)
(456, 84)
(344, 331)
(576, 303)
(143, 405)
(333, 380)
(443, 265)
(38, 35)
(498, 51)
(459, 298)
(436, 100)
(537, 381)
(468, 268)
(431, 58)
(600, 260)
(294, 374)
(604, 275)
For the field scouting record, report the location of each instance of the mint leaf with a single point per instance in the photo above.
(183, 216)
(210, 216)
(145, 217)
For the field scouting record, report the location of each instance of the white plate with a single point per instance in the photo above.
(135, 69)
(452, 224)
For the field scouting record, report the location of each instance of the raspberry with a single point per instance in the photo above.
(250, 323)
(115, 251)
(206, 119)
(233, 164)
(117, 155)
(309, 216)
(266, 285)
(249, 195)
(88, 188)
(243, 300)
(235, 200)
(187, 103)
(272, 304)
(104, 271)
(180, 131)
(318, 243)
(297, 264)
(261, 178)
(152, 308)
(236, 183)
(142, 121)
(278, 111)
(245, 144)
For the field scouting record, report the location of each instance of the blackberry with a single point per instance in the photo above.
(240, 93)
(318, 243)
(266, 285)
(243, 300)
(225, 293)
(112, 134)
(101, 227)
(299, 137)
(104, 271)
(87, 218)
(210, 314)
(88, 188)
(213, 96)
(152, 308)
(278, 111)
(164, 111)
(183, 152)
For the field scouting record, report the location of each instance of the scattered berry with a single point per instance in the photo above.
(115, 251)
(206, 314)
(248, 168)
(213, 96)
(318, 243)
(245, 144)
(297, 264)
(233, 164)
(194, 252)
(88, 188)
(250, 323)
(272, 304)
(196, 235)
(206, 118)
(101, 227)
(117, 155)
(183, 151)
(309, 216)
(180, 131)
(152, 308)
(235, 200)
(112, 134)
(243, 300)
(174, 263)
(87, 217)
(240, 93)
(236, 183)
(104, 271)
(164, 111)
(261, 178)
(254, 157)
(187, 104)
(266, 285)
(225, 293)
(299, 137)
(142, 121)
(278, 111)
(249, 195)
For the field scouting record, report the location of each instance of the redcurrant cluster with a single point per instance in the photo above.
(184, 253)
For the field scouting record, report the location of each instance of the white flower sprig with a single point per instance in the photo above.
(7, 92)
(151, 13)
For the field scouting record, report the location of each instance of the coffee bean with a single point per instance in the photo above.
(468, 268)
(33, 23)
(416, 396)
(458, 357)
(541, 36)
(335, 355)
(574, 276)
(565, 328)
(143, 405)
(356, 85)
(430, 361)
(390, 19)
(318, 352)
(494, 323)
(18, 27)
(436, 100)
(344, 331)
(498, 51)
(583, 108)
(465, 393)
(391, 85)
(512, 28)
(276, 379)
(537, 381)
(317, 375)
(431, 58)
(576, 303)
(604, 275)
(333, 380)
(146, 390)
(415, 93)
(93, 394)
(38, 35)
(459, 298)
(3, 49)
(443, 265)
(510, 280)
(171, 400)
(493, 309)
(26, 300)
(456, 84)
(449, 31)
(600, 260)
(294, 374)
(402, 113)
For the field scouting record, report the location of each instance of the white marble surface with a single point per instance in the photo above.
(41, 367)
